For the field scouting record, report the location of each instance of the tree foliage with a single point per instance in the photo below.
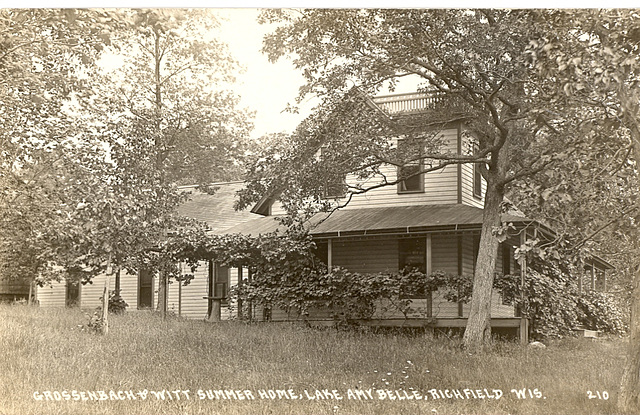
(476, 62)
(92, 155)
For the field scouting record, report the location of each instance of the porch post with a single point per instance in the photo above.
(460, 304)
(581, 278)
(523, 331)
(593, 276)
(429, 270)
(523, 271)
(330, 254)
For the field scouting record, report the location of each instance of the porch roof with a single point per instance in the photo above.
(382, 220)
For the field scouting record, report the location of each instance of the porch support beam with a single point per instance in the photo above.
(523, 268)
(330, 254)
(429, 270)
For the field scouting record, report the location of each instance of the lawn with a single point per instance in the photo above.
(51, 365)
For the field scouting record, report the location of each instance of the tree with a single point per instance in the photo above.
(596, 59)
(173, 119)
(477, 59)
(96, 171)
(43, 57)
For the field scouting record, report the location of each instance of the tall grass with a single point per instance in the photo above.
(48, 350)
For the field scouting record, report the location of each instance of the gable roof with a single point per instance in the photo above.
(382, 220)
(216, 209)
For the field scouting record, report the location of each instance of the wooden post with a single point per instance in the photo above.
(163, 286)
(217, 307)
(240, 282)
(523, 331)
(581, 278)
(593, 277)
(460, 303)
(105, 298)
(180, 290)
(30, 292)
(105, 306)
(429, 271)
(250, 305)
(523, 271)
(329, 254)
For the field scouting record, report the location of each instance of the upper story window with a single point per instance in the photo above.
(477, 177)
(477, 181)
(334, 187)
(411, 151)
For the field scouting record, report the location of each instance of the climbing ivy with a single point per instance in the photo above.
(287, 274)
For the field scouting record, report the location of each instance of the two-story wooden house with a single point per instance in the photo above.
(431, 221)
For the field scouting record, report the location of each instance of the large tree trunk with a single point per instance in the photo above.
(629, 397)
(478, 328)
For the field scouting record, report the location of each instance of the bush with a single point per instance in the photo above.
(117, 305)
(554, 305)
(603, 312)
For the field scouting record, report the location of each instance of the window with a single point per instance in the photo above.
(477, 181)
(73, 294)
(145, 289)
(321, 252)
(334, 187)
(412, 254)
(410, 150)
(506, 259)
(221, 284)
(477, 177)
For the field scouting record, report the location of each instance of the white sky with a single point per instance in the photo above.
(267, 87)
(263, 87)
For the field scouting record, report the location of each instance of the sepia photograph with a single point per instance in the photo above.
(331, 210)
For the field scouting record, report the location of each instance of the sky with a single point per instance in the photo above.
(267, 87)
(264, 87)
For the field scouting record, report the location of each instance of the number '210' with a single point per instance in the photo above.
(598, 395)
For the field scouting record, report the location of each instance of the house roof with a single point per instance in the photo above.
(382, 220)
(216, 209)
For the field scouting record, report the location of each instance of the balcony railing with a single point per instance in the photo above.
(415, 102)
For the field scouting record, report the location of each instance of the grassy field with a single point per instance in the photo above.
(50, 365)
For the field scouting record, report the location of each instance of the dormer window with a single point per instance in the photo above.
(410, 150)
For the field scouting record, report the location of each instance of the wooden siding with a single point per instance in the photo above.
(53, 295)
(444, 252)
(440, 187)
(467, 174)
(90, 294)
(192, 304)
